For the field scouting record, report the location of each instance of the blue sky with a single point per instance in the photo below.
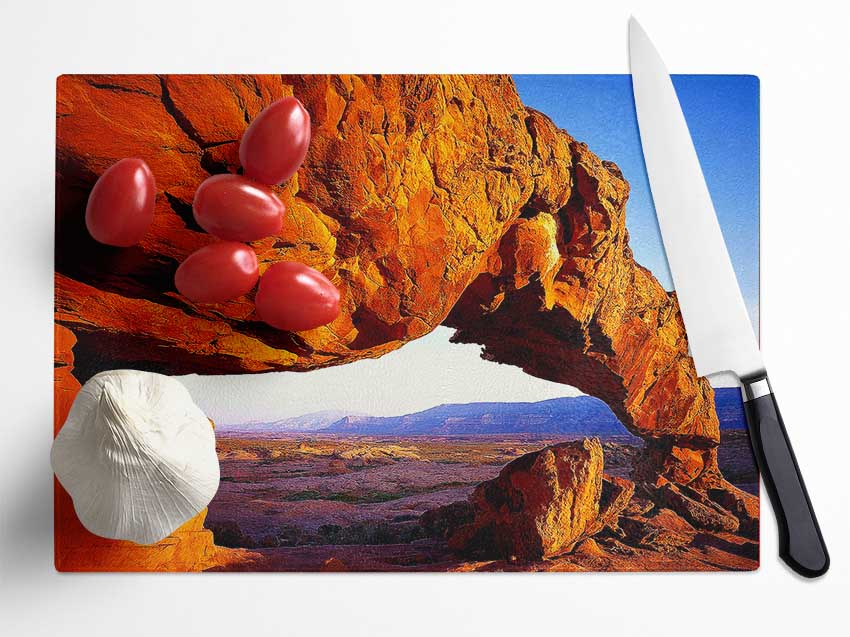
(723, 115)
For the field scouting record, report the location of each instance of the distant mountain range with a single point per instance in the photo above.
(317, 421)
(730, 408)
(571, 415)
(578, 415)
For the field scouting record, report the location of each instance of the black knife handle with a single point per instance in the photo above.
(801, 544)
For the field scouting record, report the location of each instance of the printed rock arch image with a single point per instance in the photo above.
(428, 201)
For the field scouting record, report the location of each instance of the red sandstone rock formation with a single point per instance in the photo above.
(409, 181)
(563, 298)
(539, 506)
(415, 189)
(556, 505)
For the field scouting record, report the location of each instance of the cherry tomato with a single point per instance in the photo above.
(218, 272)
(276, 142)
(295, 297)
(120, 206)
(234, 208)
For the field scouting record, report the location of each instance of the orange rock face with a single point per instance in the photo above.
(427, 200)
(409, 181)
(539, 506)
(563, 298)
(419, 194)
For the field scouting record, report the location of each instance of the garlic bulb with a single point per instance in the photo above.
(137, 456)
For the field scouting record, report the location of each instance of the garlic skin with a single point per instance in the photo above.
(137, 456)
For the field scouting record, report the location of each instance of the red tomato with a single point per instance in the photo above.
(295, 297)
(120, 206)
(276, 142)
(218, 272)
(234, 208)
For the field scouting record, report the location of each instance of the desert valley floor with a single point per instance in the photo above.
(325, 502)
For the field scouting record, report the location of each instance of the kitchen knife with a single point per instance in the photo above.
(719, 332)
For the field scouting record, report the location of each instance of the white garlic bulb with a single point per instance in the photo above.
(136, 455)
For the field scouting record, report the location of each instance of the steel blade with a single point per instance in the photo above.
(719, 331)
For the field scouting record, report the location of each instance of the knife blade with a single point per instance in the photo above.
(718, 326)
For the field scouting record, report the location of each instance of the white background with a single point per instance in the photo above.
(800, 51)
